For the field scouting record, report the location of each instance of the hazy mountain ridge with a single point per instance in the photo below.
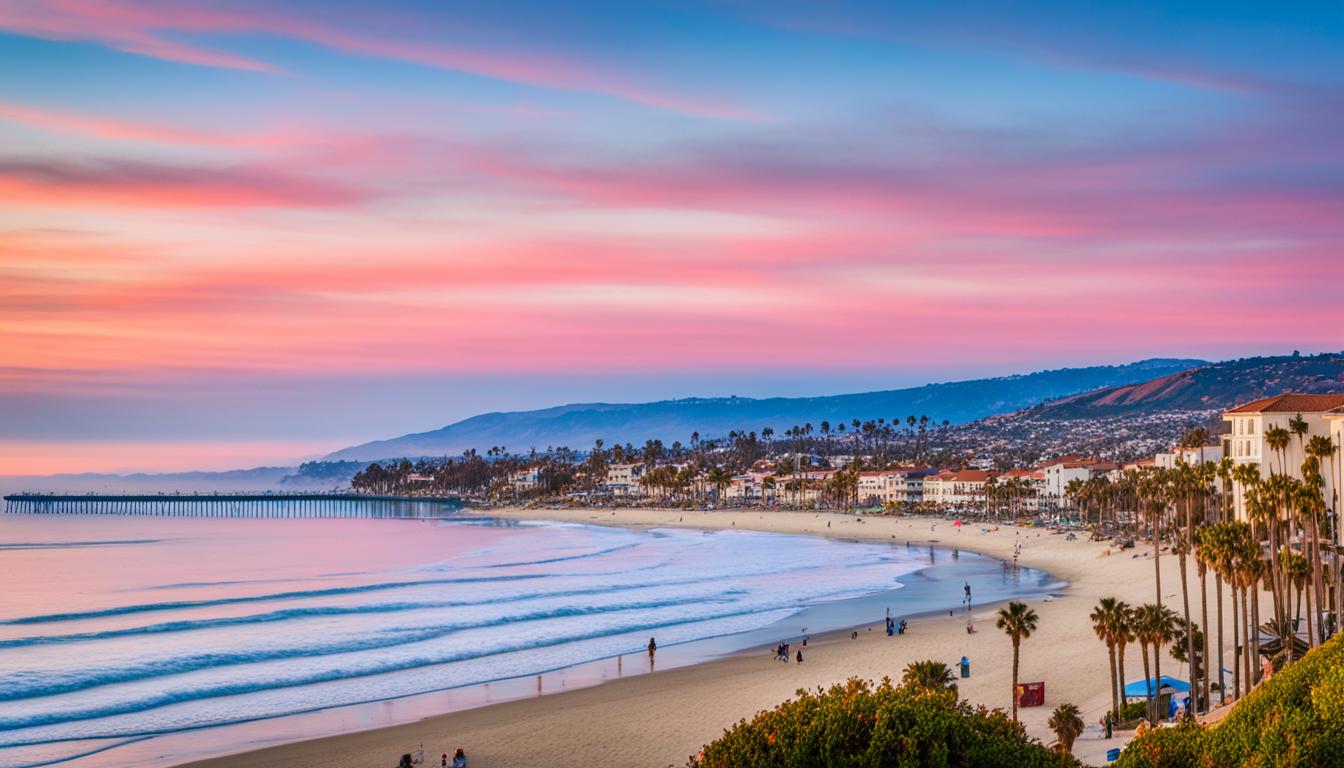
(1216, 386)
(237, 480)
(577, 425)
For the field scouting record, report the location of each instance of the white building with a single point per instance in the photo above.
(956, 489)
(1203, 454)
(1065, 469)
(623, 479)
(1247, 439)
(525, 480)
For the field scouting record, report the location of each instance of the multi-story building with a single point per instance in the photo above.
(1202, 454)
(1032, 484)
(1334, 497)
(956, 489)
(1064, 470)
(623, 479)
(1249, 422)
(525, 480)
(893, 486)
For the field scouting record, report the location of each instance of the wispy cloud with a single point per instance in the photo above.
(144, 27)
(32, 182)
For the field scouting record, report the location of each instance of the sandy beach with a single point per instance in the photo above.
(662, 718)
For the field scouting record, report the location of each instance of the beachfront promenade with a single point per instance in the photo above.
(232, 505)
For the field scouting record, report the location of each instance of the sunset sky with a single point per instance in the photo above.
(235, 233)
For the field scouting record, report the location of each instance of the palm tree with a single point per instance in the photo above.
(928, 674)
(720, 478)
(1152, 491)
(1067, 723)
(1156, 626)
(1017, 621)
(1322, 448)
(1123, 632)
(1104, 619)
(1250, 571)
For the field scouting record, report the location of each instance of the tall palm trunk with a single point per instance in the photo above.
(1157, 558)
(1313, 526)
(1280, 608)
(1236, 639)
(1157, 677)
(1115, 688)
(1204, 646)
(1189, 629)
(1185, 599)
(1247, 650)
(1311, 638)
(1016, 643)
(1120, 663)
(1253, 662)
(1218, 592)
(1148, 685)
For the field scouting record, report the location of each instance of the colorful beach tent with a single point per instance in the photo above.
(1143, 687)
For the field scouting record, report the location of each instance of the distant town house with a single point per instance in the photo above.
(956, 489)
(623, 479)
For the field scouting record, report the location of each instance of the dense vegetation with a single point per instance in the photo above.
(1294, 719)
(862, 725)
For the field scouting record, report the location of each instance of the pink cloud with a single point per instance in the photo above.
(149, 185)
(97, 126)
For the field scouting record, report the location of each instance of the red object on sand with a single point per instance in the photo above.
(1031, 694)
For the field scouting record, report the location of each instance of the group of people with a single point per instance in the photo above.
(782, 653)
(894, 627)
(410, 760)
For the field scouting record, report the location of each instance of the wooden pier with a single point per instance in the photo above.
(266, 505)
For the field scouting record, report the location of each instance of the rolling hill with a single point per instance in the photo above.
(578, 425)
(1216, 386)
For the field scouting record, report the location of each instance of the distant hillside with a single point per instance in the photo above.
(238, 480)
(1212, 387)
(578, 425)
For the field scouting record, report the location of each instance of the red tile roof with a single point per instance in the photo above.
(1291, 402)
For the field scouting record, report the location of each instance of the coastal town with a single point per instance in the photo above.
(870, 467)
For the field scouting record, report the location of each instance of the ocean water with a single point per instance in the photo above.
(118, 631)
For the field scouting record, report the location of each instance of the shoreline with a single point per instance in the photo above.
(681, 708)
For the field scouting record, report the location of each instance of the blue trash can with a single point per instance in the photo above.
(965, 667)
(1112, 754)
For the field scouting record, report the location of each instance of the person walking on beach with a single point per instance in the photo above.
(968, 594)
(800, 657)
(652, 647)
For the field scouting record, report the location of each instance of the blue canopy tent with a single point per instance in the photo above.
(1142, 688)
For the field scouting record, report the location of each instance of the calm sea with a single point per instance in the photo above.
(120, 634)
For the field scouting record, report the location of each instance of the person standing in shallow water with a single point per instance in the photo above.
(652, 647)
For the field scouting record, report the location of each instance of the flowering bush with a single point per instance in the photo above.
(1296, 718)
(862, 725)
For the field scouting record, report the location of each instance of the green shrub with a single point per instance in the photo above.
(1133, 711)
(862, 725)
(1177, 747)
(1295, 719)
